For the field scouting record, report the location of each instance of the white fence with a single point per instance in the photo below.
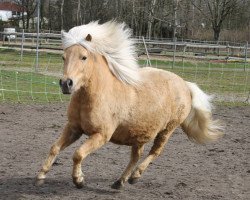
(157, 45)
(220, 68)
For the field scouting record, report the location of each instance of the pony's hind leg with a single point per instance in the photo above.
(136, 153)
(68, 136)
(159, 143)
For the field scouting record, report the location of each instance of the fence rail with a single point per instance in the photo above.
(56, 39)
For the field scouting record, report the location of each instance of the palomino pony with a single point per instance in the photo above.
(112, 99)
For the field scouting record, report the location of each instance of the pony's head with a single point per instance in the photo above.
(77, 67)
(112, 40)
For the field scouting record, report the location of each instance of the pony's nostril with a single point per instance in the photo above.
(69, 83)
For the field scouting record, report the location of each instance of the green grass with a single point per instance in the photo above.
(19, 82)
(47, 61)
(218, 78)
(193, 64)
(29, 87)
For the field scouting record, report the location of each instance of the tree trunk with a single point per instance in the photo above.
(150, 19)
(78, 15)
(23, 18)
(41, 21)
(62, 4)
(132, 16)
(49, 15)
(83, 13)
(27, 22)
(175, 7)
(216, 33)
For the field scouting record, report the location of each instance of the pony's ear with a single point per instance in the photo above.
(89, 38)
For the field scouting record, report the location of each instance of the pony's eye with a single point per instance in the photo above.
(84, 58)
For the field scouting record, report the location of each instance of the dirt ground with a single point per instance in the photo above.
(184, 170)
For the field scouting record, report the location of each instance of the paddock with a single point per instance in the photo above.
(185, 170)
(33, 113)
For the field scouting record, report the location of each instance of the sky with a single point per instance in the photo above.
(4, 15)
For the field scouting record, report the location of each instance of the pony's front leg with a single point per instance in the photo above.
(135, 156)
(70, 134)
(94, 142)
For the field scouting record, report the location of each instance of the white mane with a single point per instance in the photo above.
(112, 40)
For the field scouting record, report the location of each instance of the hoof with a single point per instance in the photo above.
(117, 185)
(79, 182)
(39, 182)
(133, 180)
(79, 185)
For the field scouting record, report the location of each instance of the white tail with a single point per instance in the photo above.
(199, 125)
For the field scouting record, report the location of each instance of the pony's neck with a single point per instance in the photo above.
(101, 80)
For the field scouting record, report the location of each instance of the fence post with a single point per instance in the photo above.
(245, 63)
(22, 45)
(173, 63)
(183, 53)
(228, 51)
(37, 35)
(148, 59)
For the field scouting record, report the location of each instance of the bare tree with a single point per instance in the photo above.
(158, 18)
(28, 7)
(218, 11)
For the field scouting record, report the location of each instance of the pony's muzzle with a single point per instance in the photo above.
(66, 85)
